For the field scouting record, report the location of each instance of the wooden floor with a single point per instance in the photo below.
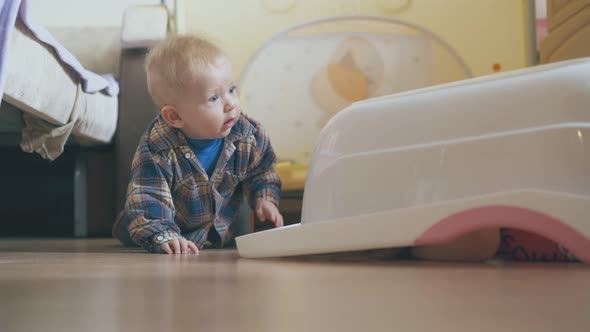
(95, 285)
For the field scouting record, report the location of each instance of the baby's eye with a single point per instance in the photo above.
(232, 89)
(213, 98)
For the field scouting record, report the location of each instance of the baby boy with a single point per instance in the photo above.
(198, 158)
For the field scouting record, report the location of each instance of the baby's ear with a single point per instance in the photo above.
(171, 116)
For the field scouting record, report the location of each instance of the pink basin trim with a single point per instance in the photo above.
(528, 220)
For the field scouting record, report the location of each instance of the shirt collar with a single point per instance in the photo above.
(164, 137)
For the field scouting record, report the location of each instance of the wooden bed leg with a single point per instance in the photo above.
(81, 196)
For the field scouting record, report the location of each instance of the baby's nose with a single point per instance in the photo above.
(230, 104)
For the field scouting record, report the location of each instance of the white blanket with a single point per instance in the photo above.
(51, 97)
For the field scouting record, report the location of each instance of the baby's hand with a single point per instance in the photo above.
(180, 246)
(266, 210)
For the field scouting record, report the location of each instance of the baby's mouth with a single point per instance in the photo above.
(229, 123)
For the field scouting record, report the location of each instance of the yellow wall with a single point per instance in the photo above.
(484, 32)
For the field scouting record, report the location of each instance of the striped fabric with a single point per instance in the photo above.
(170, 194)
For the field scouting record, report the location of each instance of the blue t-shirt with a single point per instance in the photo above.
(208, 151)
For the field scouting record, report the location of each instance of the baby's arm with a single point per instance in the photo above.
(262, 180)
(476, 246)
(150, 208)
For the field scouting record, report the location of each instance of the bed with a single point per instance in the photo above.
(72, 134)
(49, 96)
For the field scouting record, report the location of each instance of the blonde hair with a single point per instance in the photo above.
(175, 63)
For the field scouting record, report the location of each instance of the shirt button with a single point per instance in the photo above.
(160, 238)
(187, 155)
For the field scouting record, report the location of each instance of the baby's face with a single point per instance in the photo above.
(211, 108)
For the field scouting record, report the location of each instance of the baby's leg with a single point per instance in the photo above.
(121, 232)
(474, 247)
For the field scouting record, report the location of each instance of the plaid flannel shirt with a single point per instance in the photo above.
(170, 194)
